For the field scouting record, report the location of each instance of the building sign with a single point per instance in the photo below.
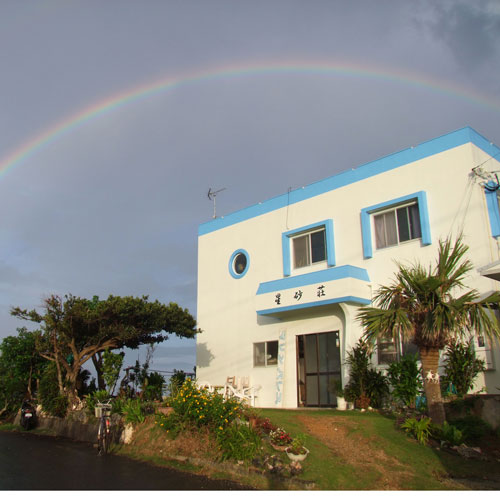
(280, 372)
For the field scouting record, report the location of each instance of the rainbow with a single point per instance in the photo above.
(148, 90)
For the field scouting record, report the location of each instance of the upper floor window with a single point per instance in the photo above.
(397, 225)
(238, 263)
(395, 221)
(308, 245)
(309, 248)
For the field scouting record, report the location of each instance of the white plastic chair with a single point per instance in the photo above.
(240, 389)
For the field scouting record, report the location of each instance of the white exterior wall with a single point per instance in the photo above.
(227, 307)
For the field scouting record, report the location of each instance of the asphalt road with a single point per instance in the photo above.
(33, 462)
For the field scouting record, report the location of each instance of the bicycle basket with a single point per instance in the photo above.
(102, 410)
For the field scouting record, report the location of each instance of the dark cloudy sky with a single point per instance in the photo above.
(113, 206)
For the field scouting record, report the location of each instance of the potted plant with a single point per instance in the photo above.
(337, 390)
(279, 439)
(252, 416)
(297, 451)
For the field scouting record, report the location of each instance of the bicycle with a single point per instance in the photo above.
(103, 412)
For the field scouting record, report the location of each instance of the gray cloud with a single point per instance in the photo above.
(113, 206)
(470, 30)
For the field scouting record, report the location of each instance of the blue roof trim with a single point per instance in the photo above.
(339, 300)
(424, 150)
(331, 274)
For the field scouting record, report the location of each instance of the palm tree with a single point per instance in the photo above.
(421, 306)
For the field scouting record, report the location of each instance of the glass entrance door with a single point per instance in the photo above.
(318, 364)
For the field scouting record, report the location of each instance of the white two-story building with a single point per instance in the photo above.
(280, 283)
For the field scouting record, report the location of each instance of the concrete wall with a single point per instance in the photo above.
(484, 406)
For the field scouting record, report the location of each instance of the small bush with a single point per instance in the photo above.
(265, 425)
(134, 411)
(171, 424)
(280, 437)
(461, 367)
(238, 442)
(203, 409)
(51, 400)
(420, 429)
(94, 398)
(364, 381)
(450, 434)
(472, 427)
(405, 379)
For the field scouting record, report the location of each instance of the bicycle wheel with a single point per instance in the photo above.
(101, 438)
(107, 436)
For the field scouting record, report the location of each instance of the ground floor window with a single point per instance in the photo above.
(265, 353)
(390, 350)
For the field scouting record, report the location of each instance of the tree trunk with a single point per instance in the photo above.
(97, 360)
(430, 360)
(58, 364)
(30, 395)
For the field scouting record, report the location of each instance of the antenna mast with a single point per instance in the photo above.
(211, 196)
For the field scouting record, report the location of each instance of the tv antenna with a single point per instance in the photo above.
(211, 196)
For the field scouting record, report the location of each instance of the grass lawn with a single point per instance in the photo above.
(365, 451)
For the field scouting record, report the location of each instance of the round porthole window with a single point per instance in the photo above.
(238, 264)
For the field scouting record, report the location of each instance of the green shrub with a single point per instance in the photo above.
(134, 411)
(405, 379)
(450, 434)
(153, 386)
(461, 367)
(176, 381)
(238, 442)
(364, 381)
(420, 429)
(52, 401)
(473, 428)
(94, 398)
(172, 424)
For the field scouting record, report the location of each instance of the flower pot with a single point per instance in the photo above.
(279, 447)
(252, 422)
(341, 403)
(297, 458)
(166, 410)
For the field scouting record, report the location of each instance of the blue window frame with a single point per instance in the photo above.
(308, 245)
(420, 227)
(239, 262)
(493, 208)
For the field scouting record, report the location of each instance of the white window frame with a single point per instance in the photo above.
(266, 360)
(367, 213)
(288, 238)
(395, 210)
(309, 253)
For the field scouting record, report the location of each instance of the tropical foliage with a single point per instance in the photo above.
(405, 379)
(421, 306)
(366, 385)
(461, 366)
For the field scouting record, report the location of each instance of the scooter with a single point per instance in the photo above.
(28, 415)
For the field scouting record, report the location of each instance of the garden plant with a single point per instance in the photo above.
(422, 306)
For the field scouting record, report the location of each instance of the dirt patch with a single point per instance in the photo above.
(343, 437)
(153, 441)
